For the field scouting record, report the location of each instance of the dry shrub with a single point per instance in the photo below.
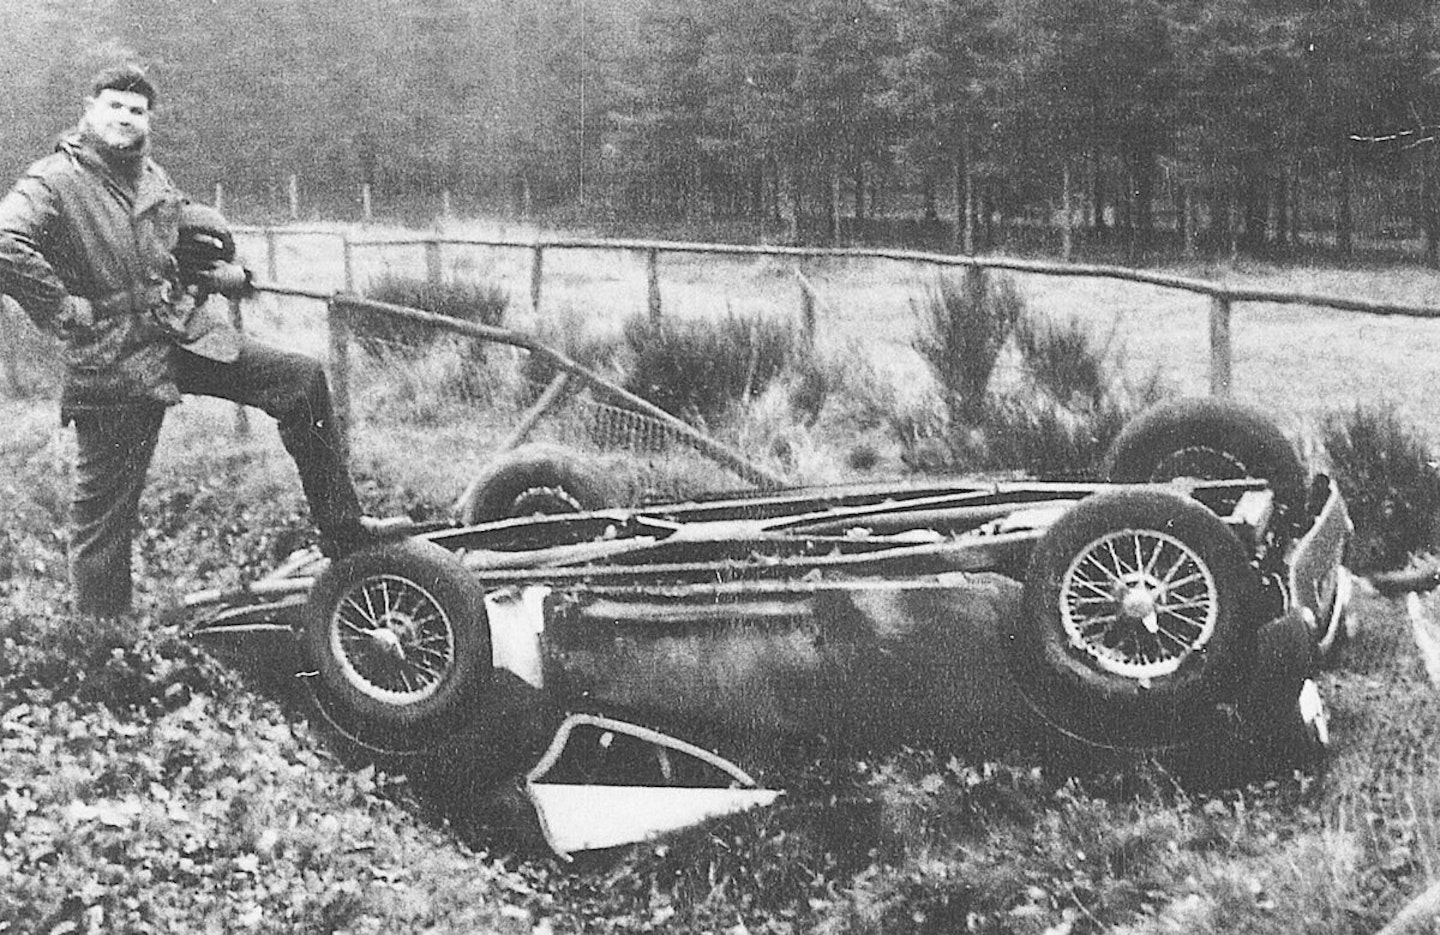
(698, 369)
(964, 326)
(425, 366)
(1384, 469)
(1064, 417)
(1062, 359)
(1040, 436)
(476, 302)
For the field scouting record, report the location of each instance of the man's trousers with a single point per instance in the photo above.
(115, 447)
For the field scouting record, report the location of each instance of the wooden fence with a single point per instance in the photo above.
(1223, 298)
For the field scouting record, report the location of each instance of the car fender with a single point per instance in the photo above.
(1319, 586)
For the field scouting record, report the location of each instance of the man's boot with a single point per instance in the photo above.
(311, 437)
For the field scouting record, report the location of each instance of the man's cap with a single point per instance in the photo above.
(124, 78)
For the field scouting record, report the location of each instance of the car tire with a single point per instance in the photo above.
(1284, 713)
(399, 639)
(1132, 619)
(1208, 439)
(532, 480)
(1279, 722)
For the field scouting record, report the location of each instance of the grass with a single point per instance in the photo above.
(158, 793)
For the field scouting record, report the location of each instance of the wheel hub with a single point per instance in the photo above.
(388, 641)
(1138, 605)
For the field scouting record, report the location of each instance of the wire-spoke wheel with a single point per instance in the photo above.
(398, 634)
(1132, 623)
(1202, 461)
(546, 501)
(1138, 601)
(393, 639)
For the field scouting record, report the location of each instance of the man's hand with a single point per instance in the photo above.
(231, 280)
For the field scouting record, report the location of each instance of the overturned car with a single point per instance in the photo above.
(1185, 602)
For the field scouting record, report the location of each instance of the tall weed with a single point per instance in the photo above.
(1059, 422)
(567, 333)
(697, 369)
(476, 302)
(1063, 361)
(964, 326)
(1384, 469)
(426, 366)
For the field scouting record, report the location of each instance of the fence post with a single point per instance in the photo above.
(434, 272)
(1220, 350)
(537, 275)
(242, 414)
(272, 254)
(807, 306)
(652, 278)
(294, 197)
(339, 321)
(220, 197)
(347, 256)
(366, 208)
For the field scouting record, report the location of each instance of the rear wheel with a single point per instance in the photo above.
(533, 480)
(1207, 439)
(1131, 626)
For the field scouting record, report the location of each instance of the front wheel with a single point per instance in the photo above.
(1131, 625)
(399, 637)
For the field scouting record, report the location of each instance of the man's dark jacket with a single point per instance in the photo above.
(88, 257)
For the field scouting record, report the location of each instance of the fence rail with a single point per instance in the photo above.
(1222, 297)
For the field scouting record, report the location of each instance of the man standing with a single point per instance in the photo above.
(86, 247)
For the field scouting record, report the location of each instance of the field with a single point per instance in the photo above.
(146, 788)
(1301, 361)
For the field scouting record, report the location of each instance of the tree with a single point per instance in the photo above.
(1239, 85)
(839, 123)
(942, 78)
(1095, 84)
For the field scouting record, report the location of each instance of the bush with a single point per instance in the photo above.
(1384, 469)
(1063, 361)
(432, 360)
(1061, 422)
(479, 303)
(964, 326)
(698, 369)
(1042, 437)
(567, 334)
